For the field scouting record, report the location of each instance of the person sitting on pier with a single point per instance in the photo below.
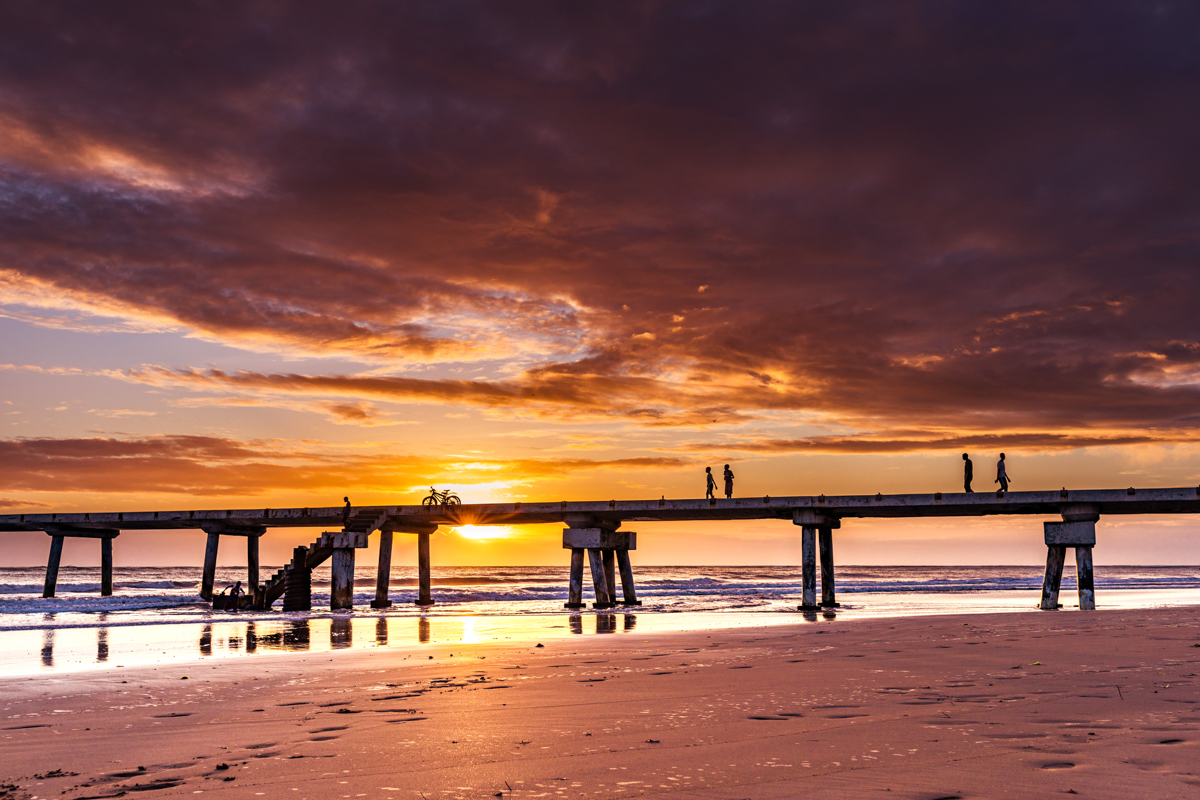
(346, 512)
(710, 487)
(728, 482)
(968, 474)
(1001, 475)
(235, 595)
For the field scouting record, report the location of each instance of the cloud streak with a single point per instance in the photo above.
(209, 466)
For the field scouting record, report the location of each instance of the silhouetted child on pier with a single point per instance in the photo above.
(728, 482)
(346, 512)
(710, 486)
(1001, 474)
(968, 474)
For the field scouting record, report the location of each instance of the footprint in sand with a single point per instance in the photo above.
(1058, 765)
(322, 738)
(261, 746)
(327, 730)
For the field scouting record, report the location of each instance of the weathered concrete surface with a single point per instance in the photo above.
(599, 538)
(1104, 501)
(1070, 533)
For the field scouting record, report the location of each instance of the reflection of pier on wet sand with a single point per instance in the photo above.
(593, 533)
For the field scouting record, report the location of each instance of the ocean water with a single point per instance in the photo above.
(155, 615)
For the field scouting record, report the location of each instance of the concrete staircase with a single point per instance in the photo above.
(355, 534)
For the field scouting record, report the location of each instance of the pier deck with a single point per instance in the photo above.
(1107, 501)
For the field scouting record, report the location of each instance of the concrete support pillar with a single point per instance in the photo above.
(1055, 555)
(297, 587)
(210, 567)
(828, 598)
(808, 559)
(610, 574)
(383, 578)
(252, 587)
(604, 547)
(106, 566)
(575, 592)
(424, 581)
(341, 592)
(627, 579)
(1083, 569)
(1078, 530)
(56, 545)
(599, 581)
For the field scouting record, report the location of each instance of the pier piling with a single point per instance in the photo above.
(610, 573)
(1055, 556)
(828, 598)
(599, 580)
(1078, 530)
(424, 578)
(252, 587)
(56, 545)
(627, 579)
(1083, 572)
(606, 547)
(106, 566)
(808, 569)
(210, 566)
(575, 592)
(341, 592)
(384, 576)
(58, 533)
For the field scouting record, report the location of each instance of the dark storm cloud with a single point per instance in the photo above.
(976, 216)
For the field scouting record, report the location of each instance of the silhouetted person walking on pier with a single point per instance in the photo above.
(728, 482)
(710, 486)
(1001, 474)
(346, 512)
(968, 474)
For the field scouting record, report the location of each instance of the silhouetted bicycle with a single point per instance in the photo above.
(436, 498)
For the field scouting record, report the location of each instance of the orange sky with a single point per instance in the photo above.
(290, 254)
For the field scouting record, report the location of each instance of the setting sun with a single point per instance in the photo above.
(484, 532)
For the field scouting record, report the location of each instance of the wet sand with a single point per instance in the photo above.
(1105, 704)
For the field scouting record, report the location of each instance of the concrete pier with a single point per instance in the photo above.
(817, 515)
(59, 533)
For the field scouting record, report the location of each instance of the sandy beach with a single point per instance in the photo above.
(1104, 704)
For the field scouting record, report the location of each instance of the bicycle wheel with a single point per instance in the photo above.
(453, 500)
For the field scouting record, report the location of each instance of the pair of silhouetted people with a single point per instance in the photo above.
(710, 483)
(969, 474)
